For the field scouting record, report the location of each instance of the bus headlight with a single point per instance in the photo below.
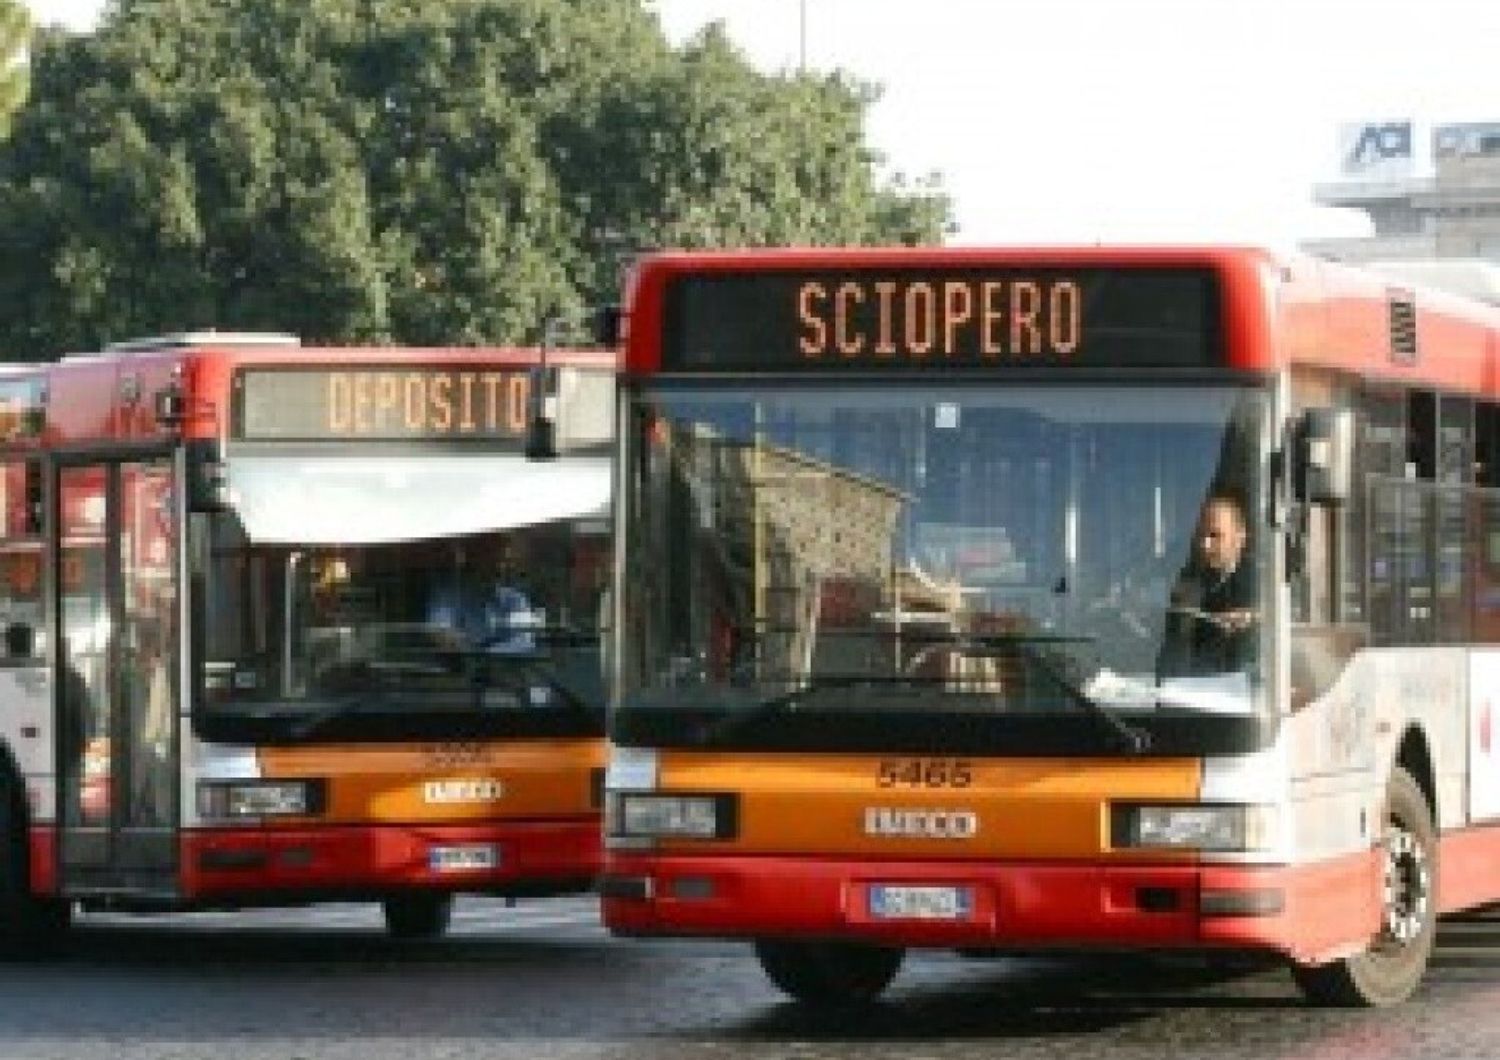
(655, 815)
(1221, 827)
(237, 800)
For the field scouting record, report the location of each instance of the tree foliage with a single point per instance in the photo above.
(423, 171)
(15, 32)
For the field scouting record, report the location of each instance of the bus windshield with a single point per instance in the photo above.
(841, 557)
(466, 635)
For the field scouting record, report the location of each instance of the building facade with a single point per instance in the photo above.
(1427, 197)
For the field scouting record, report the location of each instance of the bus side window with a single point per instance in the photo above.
(1413, 558)
(1487, 446)
(1381, 460)
(20, 563)
(1420, 536)
(1484, 562)
(1421, 435)
(1452, 519)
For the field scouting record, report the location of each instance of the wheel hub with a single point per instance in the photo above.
(1408, 886)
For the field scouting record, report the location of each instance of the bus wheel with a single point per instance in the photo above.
(1389, 971)
(29, 926)
(418, 916)
(829, 973)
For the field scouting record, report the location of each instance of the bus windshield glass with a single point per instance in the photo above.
(460, 636)
(1078, 558)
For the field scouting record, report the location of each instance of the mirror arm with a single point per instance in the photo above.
(1280, 494)
(541, 429)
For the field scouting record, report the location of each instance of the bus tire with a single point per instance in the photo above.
(1391, 968)
(829, 973)
(417, 916)
(29, 926)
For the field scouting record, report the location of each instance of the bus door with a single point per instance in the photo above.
(114, 553)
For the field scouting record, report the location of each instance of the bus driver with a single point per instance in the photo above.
(1211, 613)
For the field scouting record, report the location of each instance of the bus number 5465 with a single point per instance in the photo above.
(924, 773)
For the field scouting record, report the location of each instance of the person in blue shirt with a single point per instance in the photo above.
(509, 622)
(490, 614)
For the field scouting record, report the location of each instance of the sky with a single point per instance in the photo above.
(1118, 120)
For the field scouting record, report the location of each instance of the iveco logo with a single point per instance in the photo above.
(479, 790)
(921, 824)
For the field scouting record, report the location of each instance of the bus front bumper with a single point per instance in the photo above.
(286, 864)
(1310, 913)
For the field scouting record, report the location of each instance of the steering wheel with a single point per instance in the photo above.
(1234, 620)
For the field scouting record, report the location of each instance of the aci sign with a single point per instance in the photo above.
(1379, 150)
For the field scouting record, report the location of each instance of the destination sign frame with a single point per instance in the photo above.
(908, 319)
(382, 403)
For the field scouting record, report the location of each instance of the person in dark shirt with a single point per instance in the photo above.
(1212, 614)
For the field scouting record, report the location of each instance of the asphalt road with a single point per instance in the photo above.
(543, 980)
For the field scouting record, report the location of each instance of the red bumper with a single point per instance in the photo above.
(1310, 913)
(272, 865)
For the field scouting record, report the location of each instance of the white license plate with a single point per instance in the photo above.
(463, 858)
(891, 902)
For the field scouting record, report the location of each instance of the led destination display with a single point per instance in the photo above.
(967, 317)
(382, 404)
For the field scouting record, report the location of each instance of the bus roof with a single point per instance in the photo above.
(1274, 309)
(108, 395)
(1465, 277)
(190, 339)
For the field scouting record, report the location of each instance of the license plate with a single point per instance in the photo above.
(890, 902)
(463, 858)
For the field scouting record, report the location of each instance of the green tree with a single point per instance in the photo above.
(15, 33)
(450, 171)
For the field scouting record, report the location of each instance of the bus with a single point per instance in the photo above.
(256, 645)
(1045, 599)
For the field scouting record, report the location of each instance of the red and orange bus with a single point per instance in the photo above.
(285, 624)
(908, 647)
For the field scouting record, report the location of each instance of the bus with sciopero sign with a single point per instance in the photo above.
(287, 624)
(1039, 599)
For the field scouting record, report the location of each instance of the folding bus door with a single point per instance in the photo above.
(115, 547)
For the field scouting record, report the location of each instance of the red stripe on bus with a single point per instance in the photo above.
(43, 859)
(373, 858)
(1326, 909)
(1466, 868)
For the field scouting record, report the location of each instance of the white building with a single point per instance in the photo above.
(1436, 196)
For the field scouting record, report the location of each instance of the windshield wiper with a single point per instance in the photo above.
(784, 701)
(517, 673)
(310, 722)
(366, 690)
(1132, 739)
(558, 636)
(1028, 646)
(522, 686)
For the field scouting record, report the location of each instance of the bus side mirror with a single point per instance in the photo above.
(541, 422)
(608, 329)
(206, 485)
(170, 406)
(575, 410)
(1325, 456)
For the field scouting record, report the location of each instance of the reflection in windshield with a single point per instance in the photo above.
(481, 622)
(1027, 549)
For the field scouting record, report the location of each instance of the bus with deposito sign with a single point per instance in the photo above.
(288, 624)
(1041, 598)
